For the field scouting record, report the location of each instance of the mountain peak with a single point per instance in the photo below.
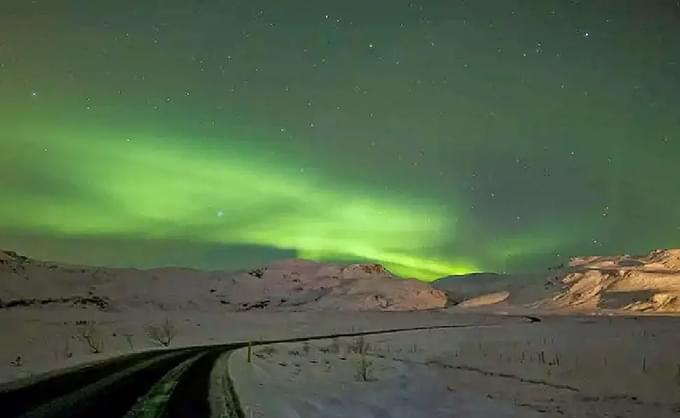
(360, 271)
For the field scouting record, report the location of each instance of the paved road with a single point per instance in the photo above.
(155, 384)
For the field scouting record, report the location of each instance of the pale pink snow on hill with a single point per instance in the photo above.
(297, 284)
(284, 285)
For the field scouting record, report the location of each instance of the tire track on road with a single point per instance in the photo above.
(17, 398)
(153, 404)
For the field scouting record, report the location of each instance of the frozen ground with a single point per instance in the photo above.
(574, 366)
(562, 367)
(595, 365)
(52, 337)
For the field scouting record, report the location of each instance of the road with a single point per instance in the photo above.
(155, 384)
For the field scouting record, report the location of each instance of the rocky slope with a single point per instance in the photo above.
(625, 283)
(649, 283)
(287, 285)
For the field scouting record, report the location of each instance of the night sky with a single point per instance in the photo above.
(435, 137)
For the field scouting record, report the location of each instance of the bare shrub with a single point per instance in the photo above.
(364, 367)
(163, 333)
(333, 347)
(66, 352)
(359, 346)
(267, 350)
(90, 335)
(128, 339)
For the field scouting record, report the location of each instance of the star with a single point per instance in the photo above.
(419, 120)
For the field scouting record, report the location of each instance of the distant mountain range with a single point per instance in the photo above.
(284, 285)
(649, 284)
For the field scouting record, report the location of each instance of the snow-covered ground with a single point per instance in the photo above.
(595, 365)
(564, 366)
(52, 337)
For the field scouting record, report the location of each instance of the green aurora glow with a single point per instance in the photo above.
(159, 188)
(439, 138)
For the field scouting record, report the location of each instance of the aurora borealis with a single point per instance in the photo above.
(436, 137)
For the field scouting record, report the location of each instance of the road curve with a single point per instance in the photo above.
(155, 384)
